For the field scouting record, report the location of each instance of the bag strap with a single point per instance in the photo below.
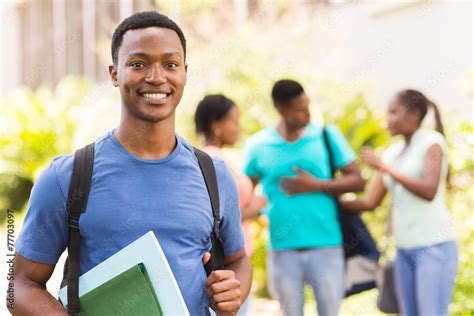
(344, 229)
(329, 151)
(209, 173)
(76, 204)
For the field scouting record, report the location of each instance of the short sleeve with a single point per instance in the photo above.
(435, 138)
(341, 149)
(230, 226)
(44, 234)
(250, 160)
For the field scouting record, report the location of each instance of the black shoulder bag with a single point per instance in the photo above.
(359, 247)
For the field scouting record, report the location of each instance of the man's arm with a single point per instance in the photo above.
(227, 289)
(30, 294)
(351, 181)
(240, 264)
(304, 182)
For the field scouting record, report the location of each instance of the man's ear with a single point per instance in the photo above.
(280, 109)
(186, 74)
(113, 75)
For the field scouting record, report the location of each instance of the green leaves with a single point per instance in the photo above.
(35, 127)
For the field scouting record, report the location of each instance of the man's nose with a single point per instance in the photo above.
(156, 75)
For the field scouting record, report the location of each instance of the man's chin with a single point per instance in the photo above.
(304, 125)
(153, 117)
(150, 114)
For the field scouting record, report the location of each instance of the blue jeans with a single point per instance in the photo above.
(322, 268)
(425, 279)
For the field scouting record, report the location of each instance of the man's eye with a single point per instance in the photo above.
(137, 65)
(171, 65)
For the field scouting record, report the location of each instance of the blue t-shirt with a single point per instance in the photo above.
(302, 220)
(130, 196)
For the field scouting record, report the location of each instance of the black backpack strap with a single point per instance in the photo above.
(209, 173)
(76, 205)
(329, 151)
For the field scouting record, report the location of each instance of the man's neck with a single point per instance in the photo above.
(288, 133)
(147, 140)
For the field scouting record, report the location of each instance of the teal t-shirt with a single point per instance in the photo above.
(304, 220)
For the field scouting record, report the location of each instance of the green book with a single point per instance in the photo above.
(129, 293)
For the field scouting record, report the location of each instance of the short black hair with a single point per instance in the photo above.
(284, 90)
(212, 108)
(141, 20)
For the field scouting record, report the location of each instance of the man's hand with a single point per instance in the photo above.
(304, 182)
(223, 291)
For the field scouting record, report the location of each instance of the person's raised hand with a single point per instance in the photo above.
(369, 157)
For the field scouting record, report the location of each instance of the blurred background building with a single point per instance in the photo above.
(424, 44)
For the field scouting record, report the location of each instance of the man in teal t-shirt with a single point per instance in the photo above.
(292, 164)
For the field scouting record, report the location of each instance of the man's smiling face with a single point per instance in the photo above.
(150, 73)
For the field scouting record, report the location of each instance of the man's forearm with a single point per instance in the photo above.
(347, 183)
(243, 272)
(355, 206)
(32, 299)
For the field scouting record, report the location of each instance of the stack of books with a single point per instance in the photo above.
(137, 280)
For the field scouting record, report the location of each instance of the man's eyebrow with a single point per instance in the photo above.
(137, 54)
(144, 55)
(171, 54)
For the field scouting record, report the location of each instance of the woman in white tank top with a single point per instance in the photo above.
(414, 170)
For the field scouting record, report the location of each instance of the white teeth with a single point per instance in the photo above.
(155, 96)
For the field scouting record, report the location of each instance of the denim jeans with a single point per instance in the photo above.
(322, 268)
(425, 279)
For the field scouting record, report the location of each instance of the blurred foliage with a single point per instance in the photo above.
(461, 204)
(35, 126)
(38, 125)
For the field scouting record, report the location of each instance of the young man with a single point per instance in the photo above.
(145, 177)
(291, 161)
